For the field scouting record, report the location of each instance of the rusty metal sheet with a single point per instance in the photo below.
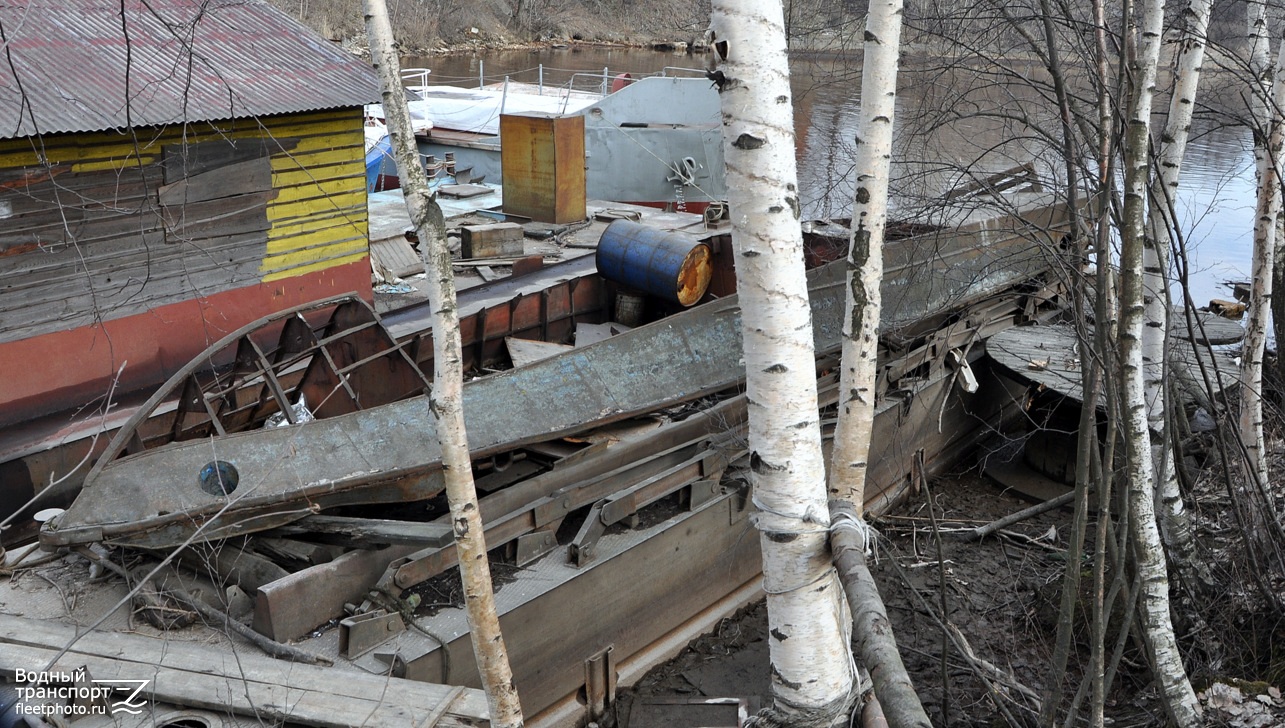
(155, 498)
(86, 65)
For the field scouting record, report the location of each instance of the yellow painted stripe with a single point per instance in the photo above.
(270, 277)
(312, 238)
(19, 159)
(323, 206)
(303, 178)
(317, 214)
(328, 158)
(311, 256)
(321, 189)
(287, 228)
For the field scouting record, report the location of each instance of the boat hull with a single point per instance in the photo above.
(152, 498)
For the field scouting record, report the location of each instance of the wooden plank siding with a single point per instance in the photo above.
(168, 237)
(106, 225)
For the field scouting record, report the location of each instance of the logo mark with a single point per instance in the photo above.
(133, 702)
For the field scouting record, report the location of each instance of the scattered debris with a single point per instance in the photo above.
(1228, 309)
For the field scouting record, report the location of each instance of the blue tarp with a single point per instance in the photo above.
(375, 157)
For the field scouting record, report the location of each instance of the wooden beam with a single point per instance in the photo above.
(292, 607)
(240, 680)
(367, 531)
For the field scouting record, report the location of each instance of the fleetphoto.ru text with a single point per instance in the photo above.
(74, 694)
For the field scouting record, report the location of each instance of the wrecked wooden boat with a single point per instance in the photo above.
(577, 519)
(157, 498)
(547, 304)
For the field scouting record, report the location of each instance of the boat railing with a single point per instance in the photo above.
(665, 72)
(415, 76)
(602, 81)
(578, 81)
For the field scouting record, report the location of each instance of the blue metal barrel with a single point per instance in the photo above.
(664, 264)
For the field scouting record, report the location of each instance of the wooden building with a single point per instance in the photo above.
(169, 171)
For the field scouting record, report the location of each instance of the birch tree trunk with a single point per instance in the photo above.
(812, 669)
(1166, 662)
(875, 643)
(1267, 210)
(446, 402)
(871, 166)
(1106, 332)
(1175, 524)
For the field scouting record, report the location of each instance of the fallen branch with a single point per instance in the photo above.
(214, 617)
(1004, 678)
(1022, 515)
(148, 604)
(985, 676)
(871, 630)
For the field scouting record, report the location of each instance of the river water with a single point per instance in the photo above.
(945, 125)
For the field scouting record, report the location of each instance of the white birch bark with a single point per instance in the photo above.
(1266, 211)
(447, 399)
(1106, 331)
(1260, 80)
(1174, 520)
(848, 460)
(812, 670)
(1166, 662)
(876, 645)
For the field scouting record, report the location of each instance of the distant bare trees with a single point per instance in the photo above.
(1046, 79)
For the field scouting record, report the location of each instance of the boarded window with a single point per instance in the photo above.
(216, 190)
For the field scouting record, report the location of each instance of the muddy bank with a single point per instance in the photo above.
(1001, 594)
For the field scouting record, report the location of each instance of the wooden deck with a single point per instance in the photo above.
(1049, 355)
(243, 682)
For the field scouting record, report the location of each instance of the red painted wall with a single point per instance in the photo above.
(74, 368)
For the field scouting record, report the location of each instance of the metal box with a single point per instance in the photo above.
(542, 157)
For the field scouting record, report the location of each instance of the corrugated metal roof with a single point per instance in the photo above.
(78, 65)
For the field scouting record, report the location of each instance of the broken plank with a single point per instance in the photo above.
(295, 554)
(241, 681)
(233, 564)
(526, 351)
(292, 607)
(367, 531)
(1206, 328)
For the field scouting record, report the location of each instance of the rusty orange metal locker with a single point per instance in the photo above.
(542, 157)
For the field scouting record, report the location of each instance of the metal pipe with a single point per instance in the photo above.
(481, 75)
(604, 80)
(541, 84)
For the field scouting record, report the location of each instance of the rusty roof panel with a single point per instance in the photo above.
(83, 65)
